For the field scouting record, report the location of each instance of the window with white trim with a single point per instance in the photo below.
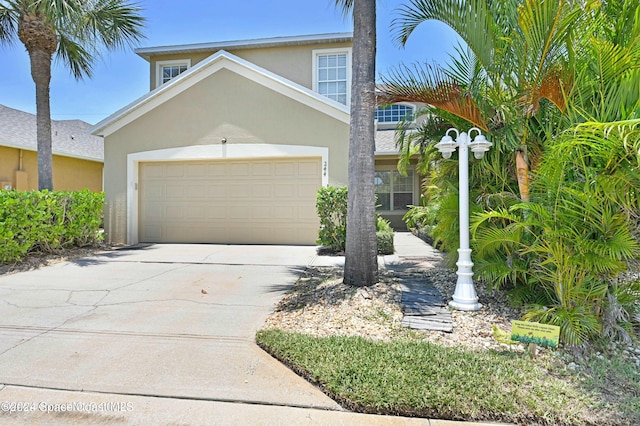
(332, 74)
(167, 70)
(394, 113)
(394, 191)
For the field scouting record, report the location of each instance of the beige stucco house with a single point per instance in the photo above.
(77, 154)
(234, 140)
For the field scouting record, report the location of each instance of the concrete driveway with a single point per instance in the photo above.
(164, 320)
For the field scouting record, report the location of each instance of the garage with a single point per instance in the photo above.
(239, 201)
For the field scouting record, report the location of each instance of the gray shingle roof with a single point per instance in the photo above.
(385, 142)
(70, 138)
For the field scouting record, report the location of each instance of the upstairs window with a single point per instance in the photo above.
(393, 190)
(394, 113)
(167, 70)
(332, 74)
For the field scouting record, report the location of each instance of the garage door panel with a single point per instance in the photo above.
(262, 190)
(240, 169)
(240, 190)
(214, 170)
(175, 170)
(285, 191)
(196, 170)
(153, 171)
(266, 201)
(262, 169)
(155, 190)
(174, 213)
(308, 168)
(173, 190)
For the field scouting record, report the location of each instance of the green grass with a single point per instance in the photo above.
(417, 378)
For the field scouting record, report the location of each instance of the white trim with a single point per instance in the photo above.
(204, 69)
(336, 51)
(161, 64)
(209, 152)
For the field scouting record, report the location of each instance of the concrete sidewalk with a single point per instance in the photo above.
(54, 407)
(407, 246)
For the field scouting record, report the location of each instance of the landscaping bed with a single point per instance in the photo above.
(350, 343)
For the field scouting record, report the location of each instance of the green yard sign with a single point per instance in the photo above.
(536, 333)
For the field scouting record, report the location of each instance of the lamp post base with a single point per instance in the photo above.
(465, 298)
(465, 306)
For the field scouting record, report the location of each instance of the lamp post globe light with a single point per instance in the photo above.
(464, 297)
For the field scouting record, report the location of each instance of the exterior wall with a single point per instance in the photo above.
(69, 174)
(223, 106)
(291, 62)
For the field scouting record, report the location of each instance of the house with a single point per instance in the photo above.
(233, 141)
(77, 154)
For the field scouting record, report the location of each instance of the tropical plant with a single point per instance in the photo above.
(555, 222)
(73, 30)
(331, 205)
(563, 249)
(361, 260)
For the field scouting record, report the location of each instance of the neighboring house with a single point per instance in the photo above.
(77, 154)
(234, 140)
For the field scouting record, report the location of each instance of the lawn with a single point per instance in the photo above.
(411, 377)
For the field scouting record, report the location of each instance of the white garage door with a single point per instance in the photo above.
(268, 201)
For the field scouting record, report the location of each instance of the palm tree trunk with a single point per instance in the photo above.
(361, 253)
(41, 74)
(522, 170)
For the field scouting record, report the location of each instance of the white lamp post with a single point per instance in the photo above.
(465, 297)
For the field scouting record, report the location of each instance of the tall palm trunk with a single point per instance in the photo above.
(361, 262)
(40, 39)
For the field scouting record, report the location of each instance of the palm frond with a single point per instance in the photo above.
(112, 24)
(345, 6)
(431, 85)
(8, 25)
(543, 31)
(470, 19)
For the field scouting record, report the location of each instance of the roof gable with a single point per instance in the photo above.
(220, 60)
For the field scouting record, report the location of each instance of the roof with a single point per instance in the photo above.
(385, 142)
(208, 67)
(147, 52)
(70, 138)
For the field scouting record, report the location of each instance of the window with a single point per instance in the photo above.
(166, 70)
(394, 113)
(332, 74)
(394, 191)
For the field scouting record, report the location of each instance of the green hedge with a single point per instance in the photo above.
(48, 221)
(331, 205)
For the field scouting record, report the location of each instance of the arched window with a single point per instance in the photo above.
(394, 113)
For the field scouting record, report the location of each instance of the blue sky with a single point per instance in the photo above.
(121, 77)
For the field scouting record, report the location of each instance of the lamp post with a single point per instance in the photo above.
(464, 297)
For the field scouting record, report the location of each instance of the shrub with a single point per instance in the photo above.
(331, 205)
(47, 221)
(384, 236)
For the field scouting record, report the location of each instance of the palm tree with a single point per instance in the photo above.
(515, 59)
(74, 30)
(361, 253)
